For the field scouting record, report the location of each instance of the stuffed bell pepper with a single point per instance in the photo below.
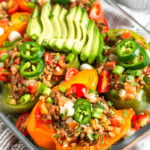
(124, 75)
(28, 72)
(75, 117)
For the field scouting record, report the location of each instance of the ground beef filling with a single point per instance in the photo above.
(69, 132)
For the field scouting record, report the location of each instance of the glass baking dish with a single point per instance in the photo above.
(116, 18)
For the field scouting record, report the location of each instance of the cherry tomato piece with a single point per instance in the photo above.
(4, 75)
(21, 123)
(96, 11)
(104, 81)
(79, 89)
(70, 73)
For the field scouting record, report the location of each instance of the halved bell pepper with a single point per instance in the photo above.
(37, 129)
(6, 107)
(116, 34)
(18, 23)
(138, 104)
(43, 135)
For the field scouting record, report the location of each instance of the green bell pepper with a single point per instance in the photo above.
(115, 34)
(29, 69)
(6, 107)
(139, 104)
(31, 50)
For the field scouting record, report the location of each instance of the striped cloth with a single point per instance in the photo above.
(8, 140)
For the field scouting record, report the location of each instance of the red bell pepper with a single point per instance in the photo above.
(4, 75)
(70, 73)
(79, 89)
(21, 123)
(139, 121)
(12, 6)
(104, 81)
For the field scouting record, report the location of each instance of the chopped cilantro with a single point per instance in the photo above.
(106, 47)
(56, 58)
(90, 136)
(125, 113)
(102, 141)
(57, 135)
(129, 78)
(133, 84)
(109, 103)
(146, 79)
(111, 111)
(92, 91)
(100, 105)
(60, 115)
(122, 79)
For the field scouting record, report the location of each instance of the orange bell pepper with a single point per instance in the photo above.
(43, 135)
(26, 6)
(37, 130)
(18, 23)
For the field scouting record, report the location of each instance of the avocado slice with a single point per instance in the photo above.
(71, 29)
(59, 42)
(56, 25)
(55, 21)
(85, 54)
(47, 31)
(95, 47)
(34, 25)
(78, 46)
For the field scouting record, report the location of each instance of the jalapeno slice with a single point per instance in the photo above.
(82, 101)
(31, 68)
(31, 51)
(82, 114)
(127, 50)
(139, 62)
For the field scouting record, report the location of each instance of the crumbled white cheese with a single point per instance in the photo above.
(68, 109)
(1, 64)
(122, 93)
(1, 31)
(14, 35)
(85, 66)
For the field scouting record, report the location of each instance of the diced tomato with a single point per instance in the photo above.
(79, 89)
(61, 62)
(103, 21)
(115, 122)
(4, 75)
(12, 6)
(68, 92)
(111, 64)
(33, 87)
(104, 81)
(17, 61)
(96, 11)
(70, 73)
(21, 123)
(139, 121)
(126, 35)
(130, 91)
(39, 115)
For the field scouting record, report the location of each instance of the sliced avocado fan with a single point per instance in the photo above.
(66, 31)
